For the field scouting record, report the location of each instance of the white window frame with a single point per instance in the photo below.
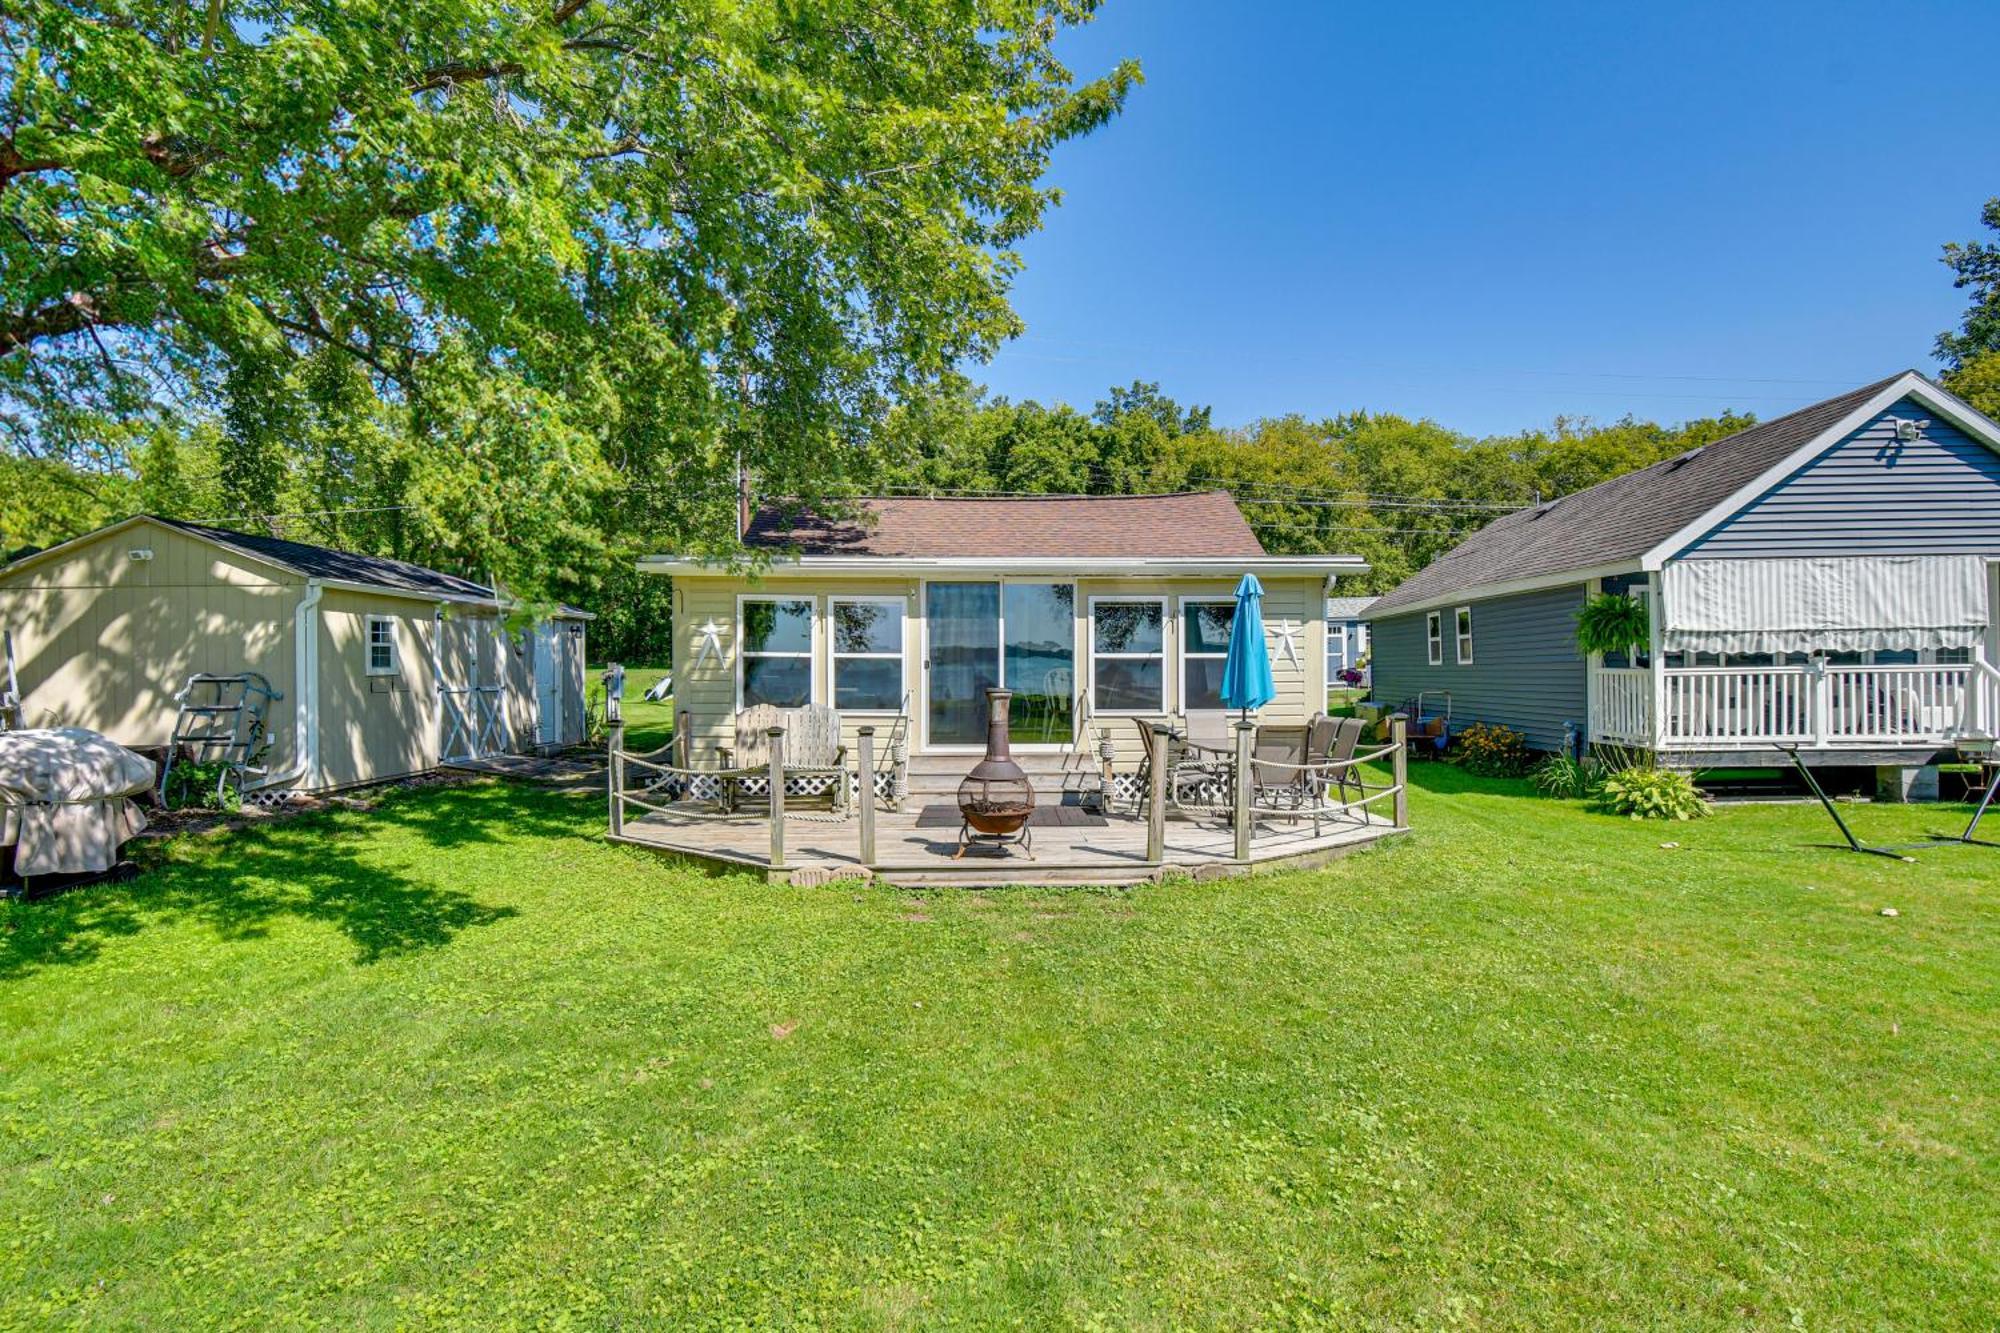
(1180, 631)
(811, 654)
(1434, 632)
(1165, 654)
(1461, 631)
(834, 654)
(1336, 634)
(368, 646)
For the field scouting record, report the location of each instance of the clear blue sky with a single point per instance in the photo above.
(1493, 213)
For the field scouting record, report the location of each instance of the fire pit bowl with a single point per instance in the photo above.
(995, 799)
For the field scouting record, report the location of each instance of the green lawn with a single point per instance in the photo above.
(459, 1061)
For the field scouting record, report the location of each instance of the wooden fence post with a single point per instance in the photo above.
(1245, 733)
(866, 736)
(1399, 766)
(615, 776)
(1156, 796)
(777, 735)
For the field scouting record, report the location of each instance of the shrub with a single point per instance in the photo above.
(1491, 750)
(192, 786)
(1560, 777)
(1651, 793)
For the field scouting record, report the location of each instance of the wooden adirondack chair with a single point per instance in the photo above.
(815, 760)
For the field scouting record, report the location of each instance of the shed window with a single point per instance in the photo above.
(1434, 629)
(1205, 630)
(1463, 617)
(1128, 655)
(775, 665)
(382, 646)
(867, 654)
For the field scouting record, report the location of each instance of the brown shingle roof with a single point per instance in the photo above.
(1205, 523)
(1624, 517)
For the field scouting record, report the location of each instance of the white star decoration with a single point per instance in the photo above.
(711, 642)
(1288, 639)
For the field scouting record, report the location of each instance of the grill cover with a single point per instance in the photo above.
(64, 798)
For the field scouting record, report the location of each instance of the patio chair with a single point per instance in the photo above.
(1199, 780)
(1208, 730)
(1278, 777)
(815, 760)
(1332, 741)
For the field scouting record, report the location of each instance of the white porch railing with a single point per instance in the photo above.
(1851, 707)
(1622, 708)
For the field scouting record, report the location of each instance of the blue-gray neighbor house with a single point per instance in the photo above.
(1346, 634)
(1828, 580)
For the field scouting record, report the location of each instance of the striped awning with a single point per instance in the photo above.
(1825, 604)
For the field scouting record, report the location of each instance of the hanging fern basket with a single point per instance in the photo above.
(1611, 624)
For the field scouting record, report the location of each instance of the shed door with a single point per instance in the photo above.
(549, 672)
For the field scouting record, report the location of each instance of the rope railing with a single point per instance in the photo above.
(671, 789)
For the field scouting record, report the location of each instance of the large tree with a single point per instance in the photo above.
(492, 279)
(1975, 266)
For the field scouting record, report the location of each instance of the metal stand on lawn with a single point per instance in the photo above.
(221, 720)
(1853, 843)
(1991, 764)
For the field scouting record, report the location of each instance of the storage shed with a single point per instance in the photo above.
(384, 668)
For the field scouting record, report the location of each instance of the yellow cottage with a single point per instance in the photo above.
(1100, 613)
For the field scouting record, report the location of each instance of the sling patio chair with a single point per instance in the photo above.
(1332, 741)
(1278, 774)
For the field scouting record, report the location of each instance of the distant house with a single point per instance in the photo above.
(1828, 579)
(386, 668)
(1118, 607)
(1346, 633)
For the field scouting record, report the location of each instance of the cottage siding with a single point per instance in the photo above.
(105, 641)
(1526, 672)
(1872, 494)
(707, 689)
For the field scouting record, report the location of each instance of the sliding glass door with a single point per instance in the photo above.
(962, 622)
(979, 635)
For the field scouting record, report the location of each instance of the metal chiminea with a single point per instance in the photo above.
(996, 798)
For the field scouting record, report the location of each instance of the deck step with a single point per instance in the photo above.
(938, 775)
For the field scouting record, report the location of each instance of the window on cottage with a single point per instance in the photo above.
(867, 654)
(1205, 630)
(1128, 655)
(1463, 617)
(775, 664)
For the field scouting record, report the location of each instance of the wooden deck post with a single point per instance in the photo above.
(615, 775)
(1245, 733)
(1399, 766)
(866, 737)
(777, 735)
(1156, 796)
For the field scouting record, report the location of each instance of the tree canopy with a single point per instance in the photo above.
(1397, 491)
(498, 284)
(1975, 267)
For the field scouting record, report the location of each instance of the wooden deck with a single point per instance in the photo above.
(819, 848)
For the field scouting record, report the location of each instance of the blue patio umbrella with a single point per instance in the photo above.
(1246, 672)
